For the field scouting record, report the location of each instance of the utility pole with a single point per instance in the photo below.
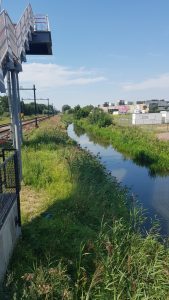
(34, 99)
(48, 107)
(53, 109)
(34, 93)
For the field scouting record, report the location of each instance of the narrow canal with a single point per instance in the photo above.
(151, 192)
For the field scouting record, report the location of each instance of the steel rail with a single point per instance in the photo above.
(23, 124)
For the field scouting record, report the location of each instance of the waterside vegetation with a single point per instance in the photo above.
(81, 237)
(134, 142)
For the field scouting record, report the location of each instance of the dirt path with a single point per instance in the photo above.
(163, 136)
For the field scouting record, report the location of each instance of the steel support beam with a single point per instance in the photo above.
(17, 138)
(10, 103)
(19, 108)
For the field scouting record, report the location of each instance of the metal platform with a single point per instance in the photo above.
(41, 43)
(30, 36)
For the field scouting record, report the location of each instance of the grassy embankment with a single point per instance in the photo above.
(134, 142)
(79, 240)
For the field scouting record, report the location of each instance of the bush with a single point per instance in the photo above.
(83, 112)
(100, 118)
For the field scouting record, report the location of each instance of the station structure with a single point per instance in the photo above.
(30, 36)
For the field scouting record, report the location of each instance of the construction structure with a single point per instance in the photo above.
(30, 36)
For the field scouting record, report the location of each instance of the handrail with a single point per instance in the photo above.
(24, 28)
(41, 23)
(15, 38)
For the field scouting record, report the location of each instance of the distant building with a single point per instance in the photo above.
(121, 102)
(105, 104)
(114, 109)
(156, 105)
(140, 102)
(125, 107)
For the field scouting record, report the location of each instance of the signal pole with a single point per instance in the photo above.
(34, 99)
(34, 93)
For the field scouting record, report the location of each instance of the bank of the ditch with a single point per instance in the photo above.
(140, 145)
(79, 240)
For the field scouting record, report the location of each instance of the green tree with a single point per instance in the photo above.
(100, 118)
(65, 107)
(4, 107)
(82, 112)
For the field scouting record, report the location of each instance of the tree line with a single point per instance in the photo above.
(93, 114)
(26, 108)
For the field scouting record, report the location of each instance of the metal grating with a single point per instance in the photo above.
(9, 189)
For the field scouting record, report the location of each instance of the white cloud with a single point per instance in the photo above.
(53, 75)
(160, 82)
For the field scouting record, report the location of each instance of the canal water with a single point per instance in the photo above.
(151, 192)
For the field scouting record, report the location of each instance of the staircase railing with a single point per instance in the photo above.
(24, 28)
(14, 39)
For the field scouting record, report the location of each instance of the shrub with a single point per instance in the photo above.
(100, 118)
(82, 112)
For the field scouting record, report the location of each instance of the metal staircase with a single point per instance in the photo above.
(30, 36)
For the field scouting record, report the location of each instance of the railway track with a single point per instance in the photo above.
(5, 128)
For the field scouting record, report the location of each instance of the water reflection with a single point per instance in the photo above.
(96, 140)
(151, 191)
(141, 158)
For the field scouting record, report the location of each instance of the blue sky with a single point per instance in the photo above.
(103, 50)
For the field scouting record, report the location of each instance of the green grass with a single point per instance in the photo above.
(134, 142)
(79, 240)
(4, 120)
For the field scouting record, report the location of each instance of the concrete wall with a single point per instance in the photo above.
(165, 116)
(148, 118)
(9, 234)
